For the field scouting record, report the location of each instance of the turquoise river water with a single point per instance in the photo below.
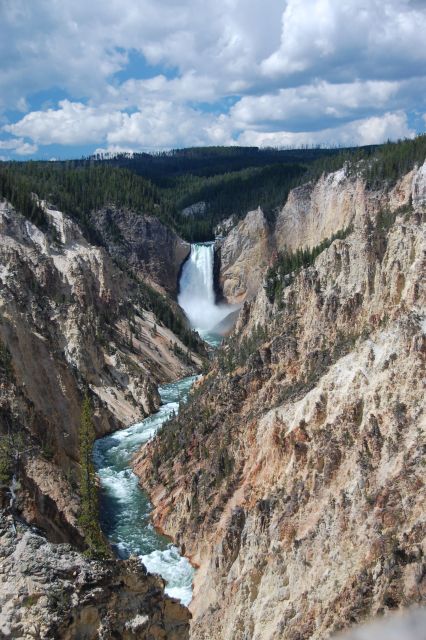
(125, 508)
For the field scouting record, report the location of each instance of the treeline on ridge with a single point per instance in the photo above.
(228, 180)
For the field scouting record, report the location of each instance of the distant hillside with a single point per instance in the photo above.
(222, 181)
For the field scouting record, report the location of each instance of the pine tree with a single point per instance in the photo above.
(89, 513)
(6, 461)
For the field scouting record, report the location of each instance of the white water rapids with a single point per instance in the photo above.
(125, 508)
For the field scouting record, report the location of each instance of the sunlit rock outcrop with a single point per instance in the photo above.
(244, 256)
(51, 591)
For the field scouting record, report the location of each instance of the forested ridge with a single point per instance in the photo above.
(225, 180)
(77, 189)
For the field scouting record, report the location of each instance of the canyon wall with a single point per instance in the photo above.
(145, 244)
(312, 213)
(294, 476)
(244, 255)
(72, 321)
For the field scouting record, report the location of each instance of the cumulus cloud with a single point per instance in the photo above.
(347, 38)
(390, 126)
(19, 146)
(225, 72)
(78, 46)
(72, 123)
(159, 124)
(316, 103)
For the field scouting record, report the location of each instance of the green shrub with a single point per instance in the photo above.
(89, 508)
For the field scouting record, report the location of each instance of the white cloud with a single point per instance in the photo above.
(359, 132)
(293, 70)
(188, 87)
(19, 146)
(26, 149)
(78, 46)
(164, 125)
(314, 103)
(72, 123)
(159, 124)
(342, 39)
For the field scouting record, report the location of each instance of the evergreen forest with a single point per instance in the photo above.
(192, 190)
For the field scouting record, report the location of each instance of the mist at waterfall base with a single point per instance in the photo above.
(197, 295)
(125, 509)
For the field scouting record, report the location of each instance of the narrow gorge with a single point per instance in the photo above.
(125, 509)
(252, 382)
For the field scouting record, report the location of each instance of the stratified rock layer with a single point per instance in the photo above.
(311, 214)
(72, 321)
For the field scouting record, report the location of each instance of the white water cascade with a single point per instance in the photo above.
(197, 296)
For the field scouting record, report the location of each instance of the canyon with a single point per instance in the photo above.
(290, 475)
(73, 319)
(293, 477)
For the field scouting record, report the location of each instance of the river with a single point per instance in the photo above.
(124, 507)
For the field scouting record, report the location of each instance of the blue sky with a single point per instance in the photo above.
(131, 75)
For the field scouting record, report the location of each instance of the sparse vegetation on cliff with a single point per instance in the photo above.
(89, 510)
(6, 372)
(235, 352)
(5, 460)
(6, 445)
(303, 443)
(16, 190)
(281, 274)
(379, 165)
(393, 160)
(161, 307)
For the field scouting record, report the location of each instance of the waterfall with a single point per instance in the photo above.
(197, 296)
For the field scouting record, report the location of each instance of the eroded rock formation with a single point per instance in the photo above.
(244, 255)
(294, 478)
(311, 214)
(72, 321)
(51, 591)
(143, 242)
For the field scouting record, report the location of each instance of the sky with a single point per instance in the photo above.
(103, 76)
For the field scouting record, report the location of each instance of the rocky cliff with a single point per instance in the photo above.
(145, 244)
(72, 320)
(312, 213)
(244, 255)
(294, 476)
(51, 591)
